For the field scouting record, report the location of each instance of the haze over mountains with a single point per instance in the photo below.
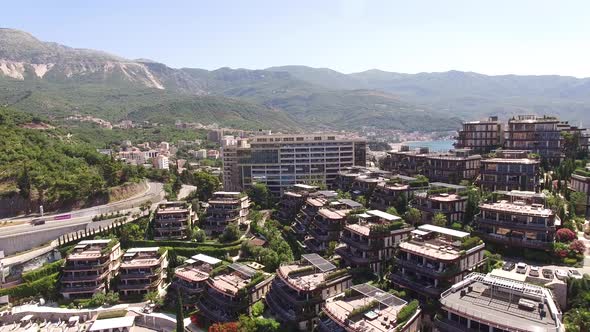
(56, 80)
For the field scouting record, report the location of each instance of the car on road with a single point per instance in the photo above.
(574, 274)
(547, 273)
(521, 268)
(37, 222)
(534, 271)
(561, 274)
(508, 266)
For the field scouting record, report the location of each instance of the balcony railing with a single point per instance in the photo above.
(514, 224)
(356, 243)
(423, 288)
(535, 244)
(447, 272)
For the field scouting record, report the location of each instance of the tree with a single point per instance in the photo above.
(393, 210)
(260, 195)
(578, 247)
(230, 233)
(413, 216)
(153, 297)
(206, 183)
(24, 184)
(578, 203)
(471, 206)
(577, 320)
(331, 248)
(198, 235)
(439, 219)
(401, 204)
(179, 313)
(565, 235)
(361, 200)
(258, 309)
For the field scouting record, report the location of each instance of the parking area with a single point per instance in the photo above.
(547, 273)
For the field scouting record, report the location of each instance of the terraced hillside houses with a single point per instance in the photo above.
(435, 258)
(90, 267)
(232, 292)
(517, 223)
(369, 239)
(224, 208)
(580, 182)
(143, 270)
(292, 201)
(190, 279)
(327, 224)
(447, 199)
(300, 289)
(309, 210)
(493, 303)
(510, 170)
(173, 221)
(481, 136)
(367, 308)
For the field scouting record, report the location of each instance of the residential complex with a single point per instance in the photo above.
(143, 270)
(447, 199)
(510, 170)
(190, 279)
(292, 201)
(90, 267)
(450, 167)
(517, 224)
(539, 135)
(498, 304)
(300, 288)
(481, 136)
(173, 220)
(434, 258)
(327, 224)
(281, 160)
(387, 193)
(225, 207)
(580, 182)
(367, 308)
(232, 292)
(309, 210)
(370, 239)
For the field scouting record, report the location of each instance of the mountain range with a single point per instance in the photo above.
(56, 81)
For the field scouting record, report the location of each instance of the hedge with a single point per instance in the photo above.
(407, 312)
(43, 271)
(42, 287)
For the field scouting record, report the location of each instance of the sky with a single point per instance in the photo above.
(492, 37)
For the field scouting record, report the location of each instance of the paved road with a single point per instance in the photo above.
(185, 190)
(154, 193)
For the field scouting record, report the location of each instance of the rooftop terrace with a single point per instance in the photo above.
(518, 207)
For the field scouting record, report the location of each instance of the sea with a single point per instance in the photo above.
(433, 146)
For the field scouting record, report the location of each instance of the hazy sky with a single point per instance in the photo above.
(491, 37)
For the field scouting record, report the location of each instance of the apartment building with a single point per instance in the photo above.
(367, 308)
(370, 239)
(481, 136)
(309, 210)
(445, 198)
(434, 258)
(387, 193)
(517, 224)
(539, 135)
(580, 182)
(510, 170)
(232, 292)
(300, 288)
(231, 170)
(173, 220)
(190, 279)
(450, 167)
(280, 160)
(495, 303)
(327, 224)
(90, 267)
(143, 270)
(292, 201)
(225, 207)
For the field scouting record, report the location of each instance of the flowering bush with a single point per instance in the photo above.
(565, 235)
(578, 247)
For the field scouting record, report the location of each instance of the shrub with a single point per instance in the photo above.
(43, 271)
(578, 247)
(565, 235)
(470, 242)
(570, 261)
(407, 312)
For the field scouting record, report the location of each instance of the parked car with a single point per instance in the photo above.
(508, 266)
(534, 271)
(521, 268)
(574, 274)
(37, 222)
(547, 273)
(561, 274)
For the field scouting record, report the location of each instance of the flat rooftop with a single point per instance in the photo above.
(307, 281)
(525, 161)
(381, 318)
(333, 214)
(194, 273)
(446, 197)
(517, 207)
(504, 302)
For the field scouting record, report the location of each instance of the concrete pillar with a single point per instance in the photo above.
(468, 323)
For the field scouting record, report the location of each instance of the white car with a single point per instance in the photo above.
(561, 274)
(521, 268)
(574, 274)
(534, 271)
